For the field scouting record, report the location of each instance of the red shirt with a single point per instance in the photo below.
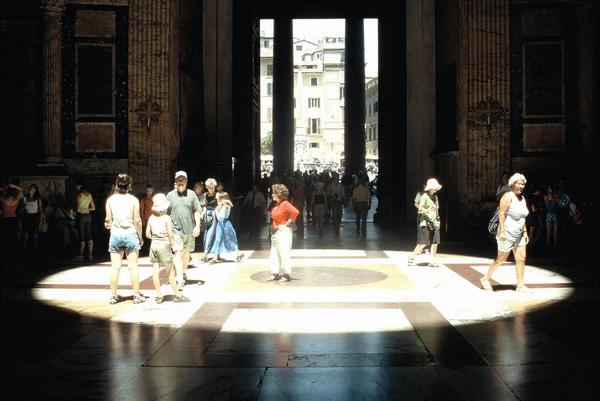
(282, 212)
(146, 208)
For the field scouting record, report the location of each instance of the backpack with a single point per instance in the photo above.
(493, 224)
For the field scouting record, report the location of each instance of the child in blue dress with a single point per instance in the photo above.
(225, 245)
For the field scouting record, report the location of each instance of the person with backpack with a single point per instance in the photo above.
(511, 234)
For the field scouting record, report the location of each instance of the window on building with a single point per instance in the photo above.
(269, 70)
(266, 43)
(375, 107)
(342, 92)
(269, 114)
(369, 112)
(314, 125)
(314, 145)
(314, 102)
(299, 48)
(269, 89)
(314, 81)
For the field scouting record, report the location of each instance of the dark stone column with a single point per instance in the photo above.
(354, 83)
(283, 96)
(52, 11)
(392, 207)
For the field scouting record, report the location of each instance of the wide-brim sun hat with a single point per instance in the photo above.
(432, 183)
(160, 203)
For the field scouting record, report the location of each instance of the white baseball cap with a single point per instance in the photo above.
(181, 173)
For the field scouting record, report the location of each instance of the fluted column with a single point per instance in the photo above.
(483, 100)
(283, 95)
(52, 96)
(354, 102)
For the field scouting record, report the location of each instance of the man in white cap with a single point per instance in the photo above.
(185, 213)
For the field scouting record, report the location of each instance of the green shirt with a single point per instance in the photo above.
(182, 209)
(429, 215)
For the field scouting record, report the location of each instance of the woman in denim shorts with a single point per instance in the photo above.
(125, 225)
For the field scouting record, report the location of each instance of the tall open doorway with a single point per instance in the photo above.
(318, 49)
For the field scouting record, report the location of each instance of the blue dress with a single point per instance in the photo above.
(210, 220)
(225, 241)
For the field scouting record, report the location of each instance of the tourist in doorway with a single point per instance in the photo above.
(33, 215)
(84, 205)
(225, 245)
(283, 214)
(208, 217)
(361, 203)
(254, 207)
(125, 225)
(199, 240)
(319, 206)
(336, 195)
(297, 199)
(160, 231)
(511, 234)
(146, 211)
(185, 214)
(429, 222)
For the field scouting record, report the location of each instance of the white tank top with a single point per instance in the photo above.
(514, 224)
(31, 207)
(122, 207)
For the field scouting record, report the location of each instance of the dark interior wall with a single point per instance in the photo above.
(446, 19)
(191, 88)
(20, 80)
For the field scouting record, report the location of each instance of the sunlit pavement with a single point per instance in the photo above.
(355, 323)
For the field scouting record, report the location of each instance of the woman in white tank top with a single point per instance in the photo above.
(125, 225)
(512, 234)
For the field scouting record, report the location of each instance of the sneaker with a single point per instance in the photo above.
(78, 258)
(433, 263)
(274, 277)
(115, 299)
(159, 300)
(285, 278)
(485, 284)
(138, 299)
(181, 298)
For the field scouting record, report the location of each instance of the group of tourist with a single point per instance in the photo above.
(26, 216)
(175, 224)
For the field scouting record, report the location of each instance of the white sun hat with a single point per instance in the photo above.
(160, 203)
(432, 183)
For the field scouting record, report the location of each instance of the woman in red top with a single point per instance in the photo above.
(282, 216)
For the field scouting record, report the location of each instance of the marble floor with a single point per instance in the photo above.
(355, 323)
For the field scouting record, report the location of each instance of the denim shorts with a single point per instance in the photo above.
(126, 242)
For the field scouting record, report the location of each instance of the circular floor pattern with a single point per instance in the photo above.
(325, 276)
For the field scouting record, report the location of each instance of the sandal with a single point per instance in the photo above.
(181, 298)
(521, 288)
(138, 299)
(274, 277)
(159, 300)
(485, 284)
(285, 278)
